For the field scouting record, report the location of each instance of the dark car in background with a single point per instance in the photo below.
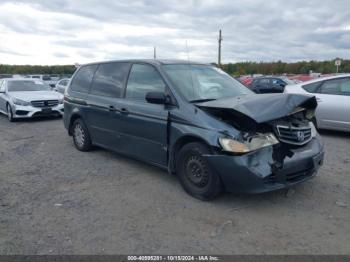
(195, 121)
(270, 84)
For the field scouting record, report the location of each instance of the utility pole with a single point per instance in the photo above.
(154, 52)
(219, 55)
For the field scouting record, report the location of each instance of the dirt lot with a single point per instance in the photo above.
(56, 200)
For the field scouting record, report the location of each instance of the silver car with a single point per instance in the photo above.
(26, 98)
(333, 97)
(61, 85)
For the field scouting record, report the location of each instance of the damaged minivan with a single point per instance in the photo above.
(197, 122)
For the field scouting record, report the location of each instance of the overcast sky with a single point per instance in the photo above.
(66, 32)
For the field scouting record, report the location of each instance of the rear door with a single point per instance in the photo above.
(104, 116)
(144, 125)
(333, 109)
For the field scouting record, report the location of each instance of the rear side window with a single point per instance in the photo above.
(82, 80)
(109, 79)
(311, 88)
(264, 82)
(143, 79)
(336, 87)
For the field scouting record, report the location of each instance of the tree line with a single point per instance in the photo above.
(279, 67)
(37, 69)
(236, 69)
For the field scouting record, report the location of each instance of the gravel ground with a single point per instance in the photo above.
(57, 200)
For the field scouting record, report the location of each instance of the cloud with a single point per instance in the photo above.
(63, 31)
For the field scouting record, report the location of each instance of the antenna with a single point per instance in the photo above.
(154, 52)
(219, 55)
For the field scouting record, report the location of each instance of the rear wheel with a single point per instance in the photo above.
(81, 136)
(195, 174)
(9, 113)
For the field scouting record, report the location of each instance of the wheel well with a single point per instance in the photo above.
(179, 144)
(72, 119)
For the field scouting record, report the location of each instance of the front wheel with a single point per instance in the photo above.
(81, 136)
(9, 113)
(195, 174)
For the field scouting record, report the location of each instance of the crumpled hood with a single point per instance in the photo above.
(263, 107)
(36, 95)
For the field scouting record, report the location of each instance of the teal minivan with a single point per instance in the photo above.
(195, 121)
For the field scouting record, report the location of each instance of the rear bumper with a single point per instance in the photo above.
(254, 173)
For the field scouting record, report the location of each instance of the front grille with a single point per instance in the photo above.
(294, 135)
(45, 103)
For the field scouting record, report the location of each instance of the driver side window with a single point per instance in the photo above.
(143, 79)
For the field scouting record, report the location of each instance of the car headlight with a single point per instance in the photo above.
(313, 130)
(60, 100)
(252, 144)
(20, 102)
(310, 114)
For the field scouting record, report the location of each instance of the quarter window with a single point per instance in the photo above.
(143, 79)
(109, 79)
(82, 80)
(311, 88)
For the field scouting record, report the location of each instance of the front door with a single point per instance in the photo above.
(144, 125)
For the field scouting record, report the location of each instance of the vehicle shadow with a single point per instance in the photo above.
(334, 133)
(35, 119)
(234, 201)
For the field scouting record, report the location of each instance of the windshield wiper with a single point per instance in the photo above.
(202, 100)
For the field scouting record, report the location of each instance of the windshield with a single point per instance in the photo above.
(202, 82)
(26, 85)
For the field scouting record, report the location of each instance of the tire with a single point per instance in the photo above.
(81, 136)
(195, 174)
(9, 113)
(314, 121)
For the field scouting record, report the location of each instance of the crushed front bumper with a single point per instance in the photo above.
(255, 172)
(30, 111)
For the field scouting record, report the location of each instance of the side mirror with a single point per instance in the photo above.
(157, 98)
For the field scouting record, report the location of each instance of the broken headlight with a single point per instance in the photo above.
(251, 144)
(310, 114)
(313, 130)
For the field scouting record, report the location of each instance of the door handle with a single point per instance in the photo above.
(318, 99)
(124, 111)
(112, 109)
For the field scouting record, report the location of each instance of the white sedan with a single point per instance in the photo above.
(26, 98)
(333, 98)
